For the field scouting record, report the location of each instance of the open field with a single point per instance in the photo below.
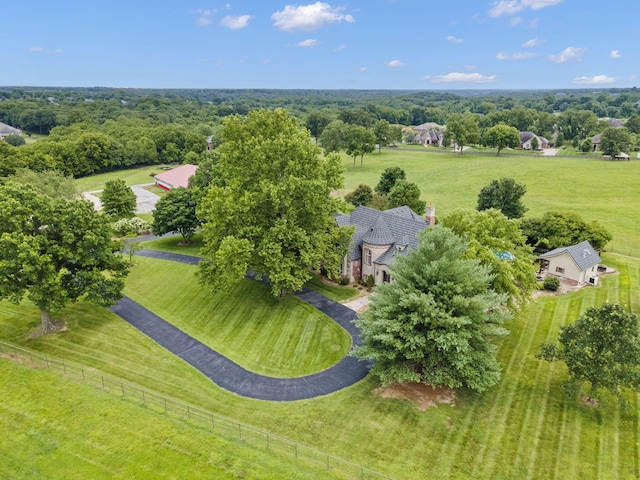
(597, 189)
(523, 428)
(54, 428)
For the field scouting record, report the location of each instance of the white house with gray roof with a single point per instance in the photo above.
(379, 236)
(6, 130)
(578, 263)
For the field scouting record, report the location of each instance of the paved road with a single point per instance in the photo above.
(231, 376)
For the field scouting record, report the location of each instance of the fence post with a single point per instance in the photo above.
(143, 399)
(82, 370)
(327, 463)
(188, 412)
(64, 368)
(296, 449)
(239, 431)
(267, 441)
(165, 404)
(213, 422)
(47, 360)
(102, 381)
(122, 387)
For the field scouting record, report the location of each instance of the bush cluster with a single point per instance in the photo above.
(130, 226)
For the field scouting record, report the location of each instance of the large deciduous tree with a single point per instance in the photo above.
(505, 195)
(358, 142)
(273, 212)
(614, 141)
(53, 183)
(435, 321)
(498, 243)
(176, 212)
(362, 195)
(118, 200)
(55, 251)
(557, 229)
(501, 136)
(462, 130)
(602, 347)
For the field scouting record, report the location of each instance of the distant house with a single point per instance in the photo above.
(429, 133)
(595, 142)
(613, 122)
(210, 143)
(577, 264)
(380, 236)
(6, 130)
(177, 177)
(526, 139)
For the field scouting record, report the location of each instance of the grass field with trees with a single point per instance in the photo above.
(524, 427)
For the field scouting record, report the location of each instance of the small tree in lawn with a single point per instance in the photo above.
(434, 323)
(504, 195)
(406, 193)
(603, 348)
(389, 178)
(176, 212)
(55, 251)
(363, 195)
(118, 200)
(501, 136)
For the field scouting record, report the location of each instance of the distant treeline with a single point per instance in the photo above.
(98, 129)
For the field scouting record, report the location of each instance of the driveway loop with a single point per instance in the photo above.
(229, 375)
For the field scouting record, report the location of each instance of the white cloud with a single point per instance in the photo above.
(39, 49)
(339, 48)
(458, 77)
(204, 16)
(534, 42)
(235, 22)
(515, 56)
(502, 8)
(515, 21)
(309, 17)
(310, 42)
(596, 80)
(569, 53)
(363, 69)
(452, 39)
(615, 54)
(396, 63)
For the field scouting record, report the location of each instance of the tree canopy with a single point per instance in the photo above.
(504, 195)
(388, 178)
(602, 347)
(176, 212)
(498, 243)
(118, 200)
(55, 251)
(462, 129)
(501, 136)
(557, 229)
(435, 321)
(406, 193)
(614, 141)
(53, 183)
(362, 195)
(273, 212)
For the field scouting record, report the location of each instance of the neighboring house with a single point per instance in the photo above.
(178, 177)
(429, 137)
(595, 141)
(612, 122)
(6, 130)
(210, 143)
(379, 236)
(578, 263)
(527, 137)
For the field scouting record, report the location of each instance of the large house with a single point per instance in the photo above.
(6, 130)
(379, 236)
(177, 177)
(577, 264)
(526, 141)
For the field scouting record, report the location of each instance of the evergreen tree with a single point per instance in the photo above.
(434, 323)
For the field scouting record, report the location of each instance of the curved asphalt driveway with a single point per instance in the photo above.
(231, 376)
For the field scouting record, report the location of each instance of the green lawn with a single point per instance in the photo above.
(523, 428)
(275, 337)
(132, 176)
(597, 189)
(54, 428)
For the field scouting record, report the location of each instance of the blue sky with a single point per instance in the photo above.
(355, 44)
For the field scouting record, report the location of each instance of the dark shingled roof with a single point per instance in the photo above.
(398, 226)
(583, 254)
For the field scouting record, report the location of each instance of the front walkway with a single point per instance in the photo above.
(231, 376)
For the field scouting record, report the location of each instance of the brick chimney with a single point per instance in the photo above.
(430, 217)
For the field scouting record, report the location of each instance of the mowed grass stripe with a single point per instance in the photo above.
(275, 337)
